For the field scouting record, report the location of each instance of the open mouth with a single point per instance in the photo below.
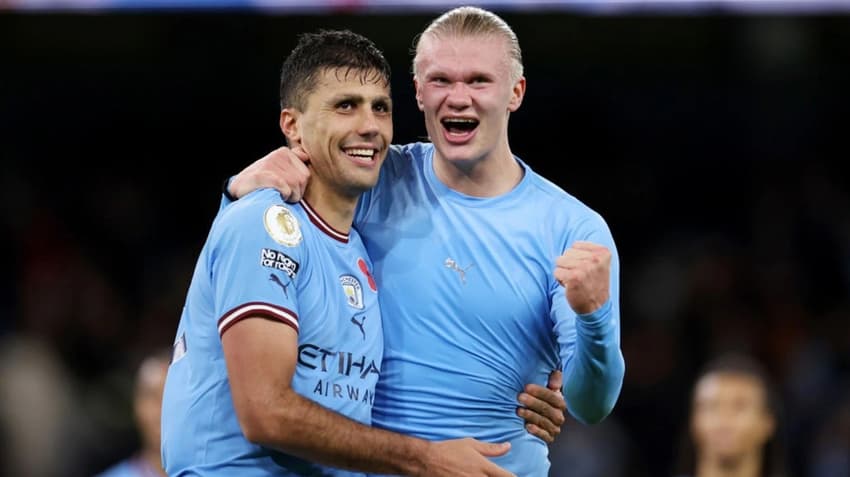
(361, 154)
(459, 126)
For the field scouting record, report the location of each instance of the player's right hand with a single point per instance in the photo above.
(465, 457)
(283, 169)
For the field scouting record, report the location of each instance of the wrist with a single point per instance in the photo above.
(419, 454)
(597, 316)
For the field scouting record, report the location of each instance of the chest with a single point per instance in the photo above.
(338, 304)
(435, 259)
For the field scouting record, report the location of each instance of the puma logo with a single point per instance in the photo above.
(452, 265)
(360, 324)
(274, 278)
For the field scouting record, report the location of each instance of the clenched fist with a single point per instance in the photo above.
(585, 270)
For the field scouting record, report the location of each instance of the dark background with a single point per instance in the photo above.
(713, 145)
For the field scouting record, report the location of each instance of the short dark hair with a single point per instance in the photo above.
(328, 49)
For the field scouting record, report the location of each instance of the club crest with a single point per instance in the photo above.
(353, 291)
(282, 226)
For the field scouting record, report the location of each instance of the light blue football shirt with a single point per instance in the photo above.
(134, 466)
(472, 311)
(284, 263)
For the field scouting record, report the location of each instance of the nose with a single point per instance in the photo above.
(458, 97)
(368, 124)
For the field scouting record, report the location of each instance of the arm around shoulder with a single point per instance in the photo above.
(261, 356)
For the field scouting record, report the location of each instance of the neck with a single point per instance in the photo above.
(488, 176)
(748, 465)
(335, 208)
(152, 459)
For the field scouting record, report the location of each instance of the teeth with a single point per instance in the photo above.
(460, 120)
(365, 153)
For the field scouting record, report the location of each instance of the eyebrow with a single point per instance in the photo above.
(359, 99)
(465, 75)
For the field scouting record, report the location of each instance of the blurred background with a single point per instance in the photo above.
(708, 134)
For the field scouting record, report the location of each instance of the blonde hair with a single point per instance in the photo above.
(474, 21)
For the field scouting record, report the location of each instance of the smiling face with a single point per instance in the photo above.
(730, 417)
(346, 128)
(466, 89)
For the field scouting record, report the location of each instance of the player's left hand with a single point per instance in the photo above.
(584, 270)
(543, 408)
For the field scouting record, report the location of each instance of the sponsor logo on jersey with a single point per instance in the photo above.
(279, 261)
(337, 362)
(340, 374)
(282, 226)
(353, 291)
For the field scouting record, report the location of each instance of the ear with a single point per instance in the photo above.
(418, 94)
(517, 93)
(291, 126)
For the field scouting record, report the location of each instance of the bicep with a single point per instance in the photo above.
(260, 355)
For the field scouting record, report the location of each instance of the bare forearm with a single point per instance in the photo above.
(307, 430)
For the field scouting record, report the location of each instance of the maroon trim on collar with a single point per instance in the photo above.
(319, 222)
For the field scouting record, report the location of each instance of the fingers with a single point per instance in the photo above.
(283, 169)
(540, 433)
(494, 470)
(543, 411)
(583, 264)
(574, 257)
(589, 246)
(302, 155)
(570, 275)
(492, 450)
(290, 172)
(539, 425)
(556, 381)
(544, 401)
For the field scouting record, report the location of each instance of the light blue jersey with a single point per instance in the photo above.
(131, 467)
(472, 311)
(281, 262)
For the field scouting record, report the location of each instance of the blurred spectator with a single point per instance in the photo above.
(734, 426)
(147, 407)
(830, 451)
(37, 410)
(600, 450)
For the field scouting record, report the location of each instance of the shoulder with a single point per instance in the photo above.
(261, 210)
(260, 218)
(568, 206)
(250, 206)
(405, 156)
(413, 150)
(403, 162)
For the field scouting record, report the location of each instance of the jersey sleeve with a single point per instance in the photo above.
(255, 263)
(589, 344)
(226, 198)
